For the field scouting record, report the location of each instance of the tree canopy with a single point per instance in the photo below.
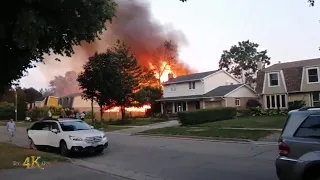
(112, 78)
(32, 95)
(31, 29)
(243, 59)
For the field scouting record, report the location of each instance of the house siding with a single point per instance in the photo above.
(213, 104)
(231, 102)
(243, 92)
(309, 87)
(218, 79)
(80, 103)
(274, 90)
(182, 89)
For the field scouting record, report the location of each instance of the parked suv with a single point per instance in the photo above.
(299, 146)
(69, 135)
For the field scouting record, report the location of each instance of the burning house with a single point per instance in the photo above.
(134, 26)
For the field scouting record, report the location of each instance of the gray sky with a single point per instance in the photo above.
(288, 29)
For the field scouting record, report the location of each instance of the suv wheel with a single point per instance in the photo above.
(64, 151)
(313, 174)
(99, 151)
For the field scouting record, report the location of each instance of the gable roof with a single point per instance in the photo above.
(292, 72)
(190, 77)
(222, 90)
(217, 92)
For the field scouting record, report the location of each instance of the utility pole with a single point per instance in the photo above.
(16, 104)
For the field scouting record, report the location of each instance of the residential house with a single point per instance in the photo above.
(285, 82)
(75, 101)
(50, 101)
(204, 90)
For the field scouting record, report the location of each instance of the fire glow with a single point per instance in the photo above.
(130, 109)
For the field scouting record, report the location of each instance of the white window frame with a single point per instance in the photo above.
(173, 88)
(190, 84)
(237, 102)
(312, 98)
(310, 68)
(275, 101)
(269, 82)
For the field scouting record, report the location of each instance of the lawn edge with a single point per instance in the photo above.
(208, 139)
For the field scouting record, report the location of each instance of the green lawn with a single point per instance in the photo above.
(249, 122)
(210, 132)
(12, 156)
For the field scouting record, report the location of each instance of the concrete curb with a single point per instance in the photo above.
(126, 174)
(210, 139)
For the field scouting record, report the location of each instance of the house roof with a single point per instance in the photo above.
(292, 72)
(222, 90)
(72, 95)
(217, 92)
(190, 77)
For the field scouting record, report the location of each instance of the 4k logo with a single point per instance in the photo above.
(32, 162)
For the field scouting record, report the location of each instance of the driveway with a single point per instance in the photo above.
(138, 157)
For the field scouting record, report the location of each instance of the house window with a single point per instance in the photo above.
(313, 75)
(273, 79)
(237, 102)
(276, 101)
(173, 88)
(192, 85)
(316, 99)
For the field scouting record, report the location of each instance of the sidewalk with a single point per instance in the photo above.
(135, 130)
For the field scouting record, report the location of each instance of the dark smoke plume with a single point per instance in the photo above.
(134, 26)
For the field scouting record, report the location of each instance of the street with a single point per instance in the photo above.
(156, 158)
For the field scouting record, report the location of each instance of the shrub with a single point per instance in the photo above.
(295, 105)
(56, 111)
(38, 113)
(262, 112)
(6, 111)
(253, 103)
(206, 115)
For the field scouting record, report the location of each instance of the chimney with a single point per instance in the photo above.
(170, 76)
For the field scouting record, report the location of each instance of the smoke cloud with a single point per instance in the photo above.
(134, 26)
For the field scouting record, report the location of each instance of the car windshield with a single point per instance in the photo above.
(74, 126)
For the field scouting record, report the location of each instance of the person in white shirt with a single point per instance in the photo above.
(11, 127)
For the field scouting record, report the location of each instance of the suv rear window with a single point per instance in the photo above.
(310, 128)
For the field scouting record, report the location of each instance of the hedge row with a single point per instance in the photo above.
(206, 115)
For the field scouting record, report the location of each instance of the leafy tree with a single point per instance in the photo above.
(310, 1)
(46, 92)
(34, 28)
(243, 59)
(32, 95)
(148, 95)
(10, 97)
(65, 85)
(96, 80)
(129, 76)
(164, 58)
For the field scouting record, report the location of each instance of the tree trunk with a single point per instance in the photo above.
(92, 118)
(101, 115)
(123, 113)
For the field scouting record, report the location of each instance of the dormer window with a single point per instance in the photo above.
(192, 85)
(313, 75)
(273, 79)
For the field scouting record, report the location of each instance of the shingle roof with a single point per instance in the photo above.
(292, 72)
(222, 90)
(217, 92)
(190, 77)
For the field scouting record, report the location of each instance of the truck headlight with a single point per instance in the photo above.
(74, 138)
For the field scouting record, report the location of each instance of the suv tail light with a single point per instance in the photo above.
(284, 149)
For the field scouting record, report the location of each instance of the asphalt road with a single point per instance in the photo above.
(179, 159)
(144, 158)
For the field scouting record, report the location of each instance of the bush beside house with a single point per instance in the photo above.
(206, 115)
